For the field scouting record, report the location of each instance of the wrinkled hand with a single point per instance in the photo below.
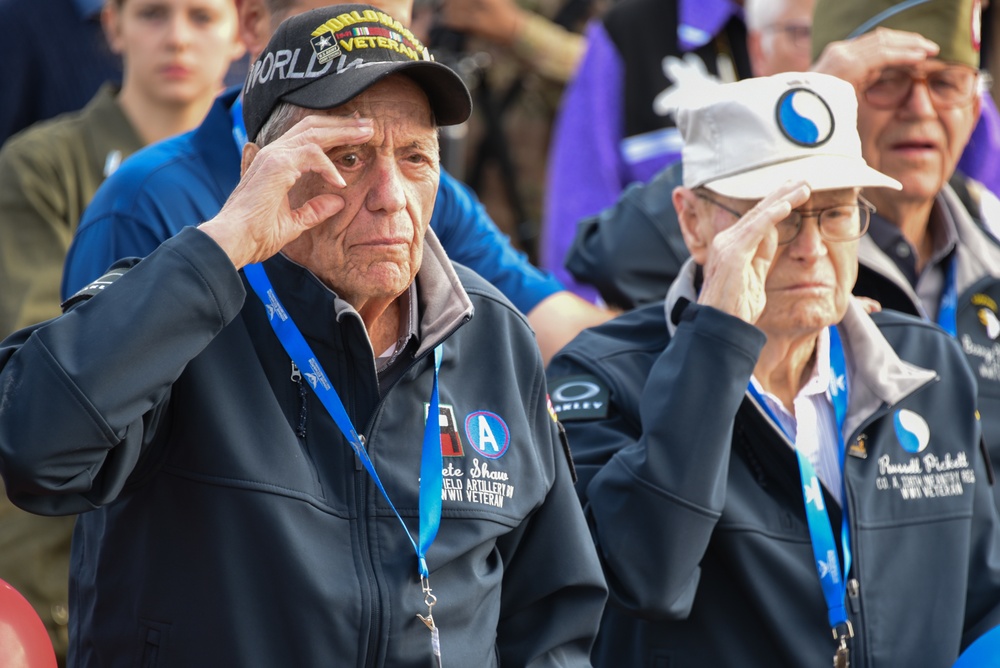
(740, 256)
(257, 220)
(860, 61)
(499, 21)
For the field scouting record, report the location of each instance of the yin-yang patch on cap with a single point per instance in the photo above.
(804, 118)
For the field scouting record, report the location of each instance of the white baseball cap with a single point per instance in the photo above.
(745, 139)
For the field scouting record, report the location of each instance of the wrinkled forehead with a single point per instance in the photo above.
(395, 103)
(401, 115)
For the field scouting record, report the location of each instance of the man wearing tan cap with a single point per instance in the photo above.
(914, 66)
(772, 476)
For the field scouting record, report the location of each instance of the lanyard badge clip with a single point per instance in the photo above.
(841, 633)
(430, 600)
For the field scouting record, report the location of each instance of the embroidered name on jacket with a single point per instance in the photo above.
(916, 474)
(479, 478)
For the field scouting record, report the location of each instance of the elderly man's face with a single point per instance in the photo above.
(784, 44)
(915, 142)
(372, 249)
(810, 280)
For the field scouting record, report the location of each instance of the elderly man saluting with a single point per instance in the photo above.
(772, 477)
(290, 428)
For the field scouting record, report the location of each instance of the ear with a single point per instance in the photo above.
(111, 22)
(254, 26)
(693, 231)
(250, 151)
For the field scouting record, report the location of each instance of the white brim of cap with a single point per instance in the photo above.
(820, 172)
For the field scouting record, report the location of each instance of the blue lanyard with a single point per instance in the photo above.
(832, 579)
(430, 460)
(239, 127)
(949, 299)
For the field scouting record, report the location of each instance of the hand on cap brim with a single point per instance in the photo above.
(860, 61)
(740, 256)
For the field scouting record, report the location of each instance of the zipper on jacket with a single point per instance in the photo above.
(362, 485)
(853, 585)
(357, 460)
(853, 595)
(375, 594)
(300, 429)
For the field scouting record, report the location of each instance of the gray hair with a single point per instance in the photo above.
(761, 13)
(284, 116)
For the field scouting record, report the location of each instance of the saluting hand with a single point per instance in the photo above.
(740, 256)
(257, 220)
(860, 61)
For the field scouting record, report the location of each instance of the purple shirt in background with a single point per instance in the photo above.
(981, 159)
(590, 162)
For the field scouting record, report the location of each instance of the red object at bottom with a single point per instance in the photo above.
(24, 642)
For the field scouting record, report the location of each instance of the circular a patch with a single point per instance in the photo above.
(488, 434)
(912, 431)
(804, 118)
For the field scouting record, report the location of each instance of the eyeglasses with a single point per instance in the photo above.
(846, 222)
(954, 86)
(799, 34)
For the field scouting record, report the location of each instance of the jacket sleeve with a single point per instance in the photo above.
(633, 250)
(653, 472)
(83, 394)
(553, 591)
(34, 233)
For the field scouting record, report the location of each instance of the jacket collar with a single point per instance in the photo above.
(444, 304)
(977, 254)
(877, 374)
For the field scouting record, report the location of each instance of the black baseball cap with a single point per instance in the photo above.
(322, 58)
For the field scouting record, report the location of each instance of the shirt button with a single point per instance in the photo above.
(903, 249)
